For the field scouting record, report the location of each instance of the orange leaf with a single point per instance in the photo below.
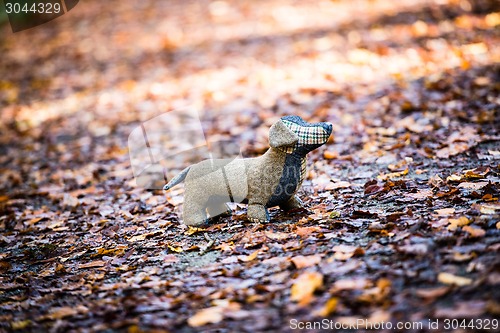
(306, 261)
(304, 287)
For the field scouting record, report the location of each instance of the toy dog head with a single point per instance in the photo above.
(293, 135)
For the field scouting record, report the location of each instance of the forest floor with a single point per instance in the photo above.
(402, 216)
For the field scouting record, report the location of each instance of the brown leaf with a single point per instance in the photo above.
(65, 311)
(474, 232)
(350, 284)
(393, 175)
(277, 235)
(432, 292)
(448, 278)
(97, 263)
(210, 315)
(444, 211)
(490, 209)
(250, 257)
(214, 314)
(306, 261)
(329, 155)
(327, 309)
(460, 222)
(304, 287)
(306, 231)
(472, 186)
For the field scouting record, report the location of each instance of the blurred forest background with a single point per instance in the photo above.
(402, 219)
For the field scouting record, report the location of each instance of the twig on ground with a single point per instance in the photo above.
(204, 249)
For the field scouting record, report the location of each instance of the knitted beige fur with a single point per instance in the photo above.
(269, 180)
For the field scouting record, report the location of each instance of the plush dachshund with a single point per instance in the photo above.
(270, 180)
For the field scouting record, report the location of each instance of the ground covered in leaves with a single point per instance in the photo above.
(402, 218)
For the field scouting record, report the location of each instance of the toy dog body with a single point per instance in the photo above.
(269, 180)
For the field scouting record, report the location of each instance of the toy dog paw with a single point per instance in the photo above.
(258, 213)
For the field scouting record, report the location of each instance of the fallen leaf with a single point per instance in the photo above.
(327, 309)
(214, 314)
(306, 261)
(454, 178)
(97, 263)
(177, 249)
(476, 173)
(451, 279)
(444, 211)
(472, 186)
(393, 175)
(65, 311)
(210, 315)
(344, 252)
(474, 232)
(460, 222)
(336, 185)
(329, 155)
(304, 287)
(350, 284)
(20, 325)
(250, 257)
(490, 209)
(277, 235)
(306, 231)
(453, 149)
(421, 194)
(432, 292)
(192, 230)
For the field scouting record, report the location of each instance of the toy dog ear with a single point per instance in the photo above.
(281, 136)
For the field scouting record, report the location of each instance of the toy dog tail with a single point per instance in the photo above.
(177, 179)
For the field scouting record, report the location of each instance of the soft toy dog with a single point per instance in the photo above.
(269, 180)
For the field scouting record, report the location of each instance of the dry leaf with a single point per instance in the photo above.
(250, 257)
(306, 231)
(490, 208)
(210, 315)
(214, 314)
(277, 235)
(329, 308)
(304, 287)
(329, 155)
(350, 284)
(177, 249)
(97, 263)
(20, 325)
(306, 261)
(444, 211)
(393, 175)
(472, 186)
(460, 222)
(65, 311)
(448, 278)
(432, 292)
(474, 232)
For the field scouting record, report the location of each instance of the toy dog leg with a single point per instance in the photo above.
(293, 203)
(194, 211)
(216, 209)
(258, 213)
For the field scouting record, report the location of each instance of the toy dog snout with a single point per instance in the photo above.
(306, 136)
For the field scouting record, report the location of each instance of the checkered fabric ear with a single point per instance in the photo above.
(309, 135)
